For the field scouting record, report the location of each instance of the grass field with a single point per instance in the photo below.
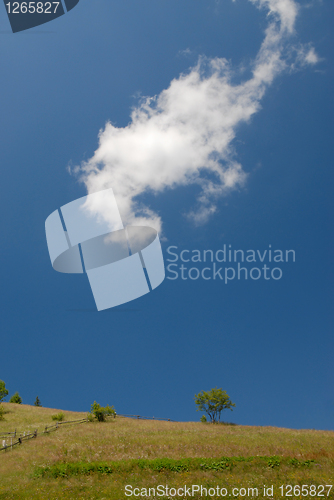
(97, 460)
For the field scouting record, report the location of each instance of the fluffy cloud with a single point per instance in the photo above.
(307, 55)
(184, 135)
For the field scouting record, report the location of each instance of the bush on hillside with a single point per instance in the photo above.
(90, 417)
(16, 398)
(58, 416)
(101, 412)
(2, 412)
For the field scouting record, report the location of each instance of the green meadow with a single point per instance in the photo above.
(128, 458)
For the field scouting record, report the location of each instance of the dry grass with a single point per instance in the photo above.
(124, 439)
(28, 418)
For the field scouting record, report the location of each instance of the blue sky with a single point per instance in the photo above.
(269, 344)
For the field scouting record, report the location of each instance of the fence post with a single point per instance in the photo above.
(11, 443)
(15, 433)
(46, 429)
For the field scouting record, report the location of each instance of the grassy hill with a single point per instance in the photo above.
(97, 460)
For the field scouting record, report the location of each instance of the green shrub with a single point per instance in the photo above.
(221, 464)
(59, 417)
(300, 463)
(217, 465)
(274, 462)
(2, 412)
(16, 398)
(100, 412)
(203, 418)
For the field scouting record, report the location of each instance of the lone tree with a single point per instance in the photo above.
(213, 403)
(16, 398)
(3, 390)
(37, 402)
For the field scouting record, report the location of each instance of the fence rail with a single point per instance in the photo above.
(140, 417)
(7, 434)
(20, 440)
(80, 420)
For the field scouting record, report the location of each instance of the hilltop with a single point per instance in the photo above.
(124, 451)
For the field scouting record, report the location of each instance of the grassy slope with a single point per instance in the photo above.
(125, 439)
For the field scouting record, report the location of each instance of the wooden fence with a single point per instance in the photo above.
(25, 436)
(10, 439)
(145, 418)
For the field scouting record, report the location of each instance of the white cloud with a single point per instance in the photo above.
(311, 57)
(303, 55)
(184, 135)
(286, 10)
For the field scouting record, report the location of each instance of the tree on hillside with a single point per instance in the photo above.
(213, 403)
(37, 402)
(100, 412)
(3, 390)
(16, 398)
